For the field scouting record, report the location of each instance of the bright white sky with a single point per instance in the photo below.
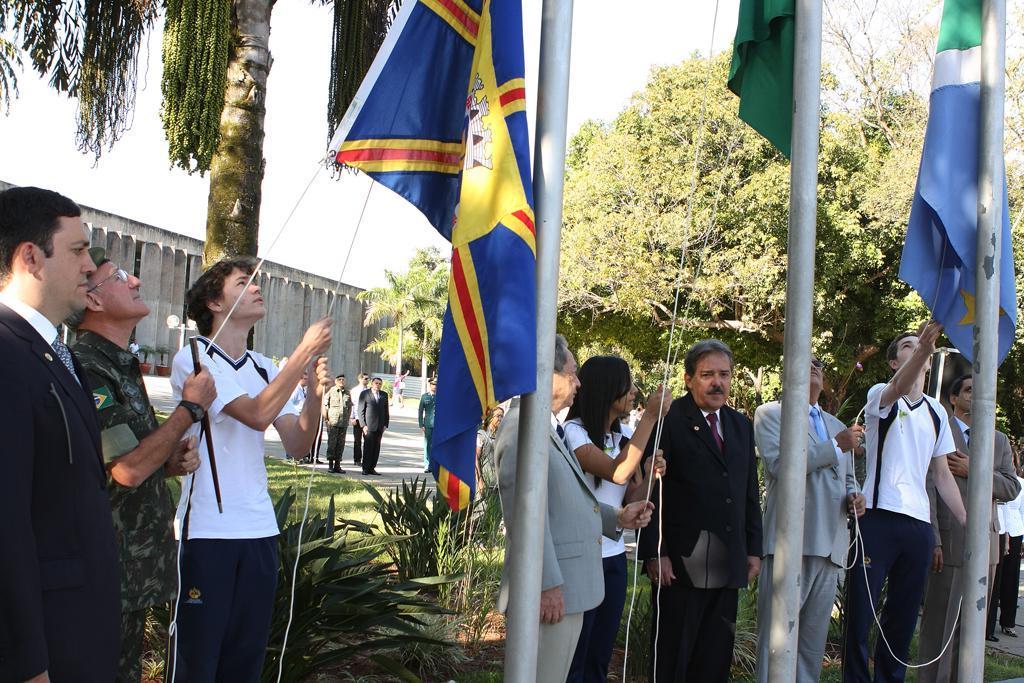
(614, 47)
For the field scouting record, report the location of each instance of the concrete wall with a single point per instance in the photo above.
(168, 264)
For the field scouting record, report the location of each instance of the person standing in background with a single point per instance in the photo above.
(425, 417)
(337, 409)
(357, 428)
(1006, 593)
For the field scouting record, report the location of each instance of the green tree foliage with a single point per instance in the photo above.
(626, 229)
(414, 302)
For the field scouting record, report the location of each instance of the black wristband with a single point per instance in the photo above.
(196, 411)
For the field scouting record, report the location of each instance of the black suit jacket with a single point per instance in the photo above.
(374, 414)
(711, 519)
(60, 608)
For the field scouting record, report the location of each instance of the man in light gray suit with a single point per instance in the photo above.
(942, 599)
(831, 493)
(573, 579)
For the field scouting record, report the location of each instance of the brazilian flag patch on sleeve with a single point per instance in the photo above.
(102, 398)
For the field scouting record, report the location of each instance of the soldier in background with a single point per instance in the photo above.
(337, 408)
(138, 453)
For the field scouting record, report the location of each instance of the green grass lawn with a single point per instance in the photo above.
(351, 501)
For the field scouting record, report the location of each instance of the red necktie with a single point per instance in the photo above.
(713, 421)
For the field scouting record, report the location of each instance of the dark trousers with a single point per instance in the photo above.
(336, 443)
(1009, 587)
(695, 640)
(997, 583)
(898, 547)
(357, 443)
(371, 450)
(227, 599)
(601, 625)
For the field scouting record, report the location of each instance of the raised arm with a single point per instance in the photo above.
(299, 431)
(903, 381)
(259, 412)
(621, 468)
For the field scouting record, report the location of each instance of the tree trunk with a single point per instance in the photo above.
(236, 172)
(398, 361)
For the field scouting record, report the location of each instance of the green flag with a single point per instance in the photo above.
(762, 68)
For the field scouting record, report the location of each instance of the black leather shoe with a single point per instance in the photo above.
(992, 639)
(1009, 632)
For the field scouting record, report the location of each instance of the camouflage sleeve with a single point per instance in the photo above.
(114, 416)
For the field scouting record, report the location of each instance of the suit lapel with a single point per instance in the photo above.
(570, 457)
(699, 424)
(79, 395)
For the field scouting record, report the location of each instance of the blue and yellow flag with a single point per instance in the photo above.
(440, 119)
(939, 254)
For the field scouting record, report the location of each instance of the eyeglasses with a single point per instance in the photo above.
(817, 363)
(120, 273)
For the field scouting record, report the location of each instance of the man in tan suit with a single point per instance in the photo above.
(943, 596)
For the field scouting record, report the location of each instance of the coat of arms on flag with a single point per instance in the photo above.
(440, 119)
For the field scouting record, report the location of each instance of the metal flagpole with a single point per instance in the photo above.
(986, 338)
(526, 545)
(803, 203)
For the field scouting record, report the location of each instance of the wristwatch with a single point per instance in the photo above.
(194, 409)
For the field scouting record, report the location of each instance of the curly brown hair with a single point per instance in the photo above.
(210, 287)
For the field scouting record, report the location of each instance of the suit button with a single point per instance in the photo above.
(725, 474)
(728, 500)
(597, 509)
(599, 540)
(728, 527)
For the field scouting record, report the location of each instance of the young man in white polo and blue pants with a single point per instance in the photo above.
(229, 561)
(907, 436)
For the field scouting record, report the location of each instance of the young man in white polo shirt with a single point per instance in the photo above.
(229, 560)
(907, 435)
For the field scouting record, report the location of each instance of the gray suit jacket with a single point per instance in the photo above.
(948, 532)
(575, 521)
(830, 479)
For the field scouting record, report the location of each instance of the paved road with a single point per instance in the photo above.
(401, 455)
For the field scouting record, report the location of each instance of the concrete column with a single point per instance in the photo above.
(167, 338)
(149, 272)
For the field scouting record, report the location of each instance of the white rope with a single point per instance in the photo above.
(858, 545)
(312, 469)
(665, 375)
(859, 538)
(273, 243)
(172, 630)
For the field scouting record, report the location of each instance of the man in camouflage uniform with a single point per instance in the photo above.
(138, 452)
(337, 408)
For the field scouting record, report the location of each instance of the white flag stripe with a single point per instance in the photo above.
(957, 67)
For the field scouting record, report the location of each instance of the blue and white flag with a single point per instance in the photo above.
(939, 255)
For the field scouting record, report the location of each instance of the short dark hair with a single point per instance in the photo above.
(894, 346)
(29, 214)
(958, 384)
(377, 379)
(210, 287)
(705, 347)
(603, 381)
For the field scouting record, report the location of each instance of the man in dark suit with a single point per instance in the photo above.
(708, 544)
(373, 416)
(59, 579)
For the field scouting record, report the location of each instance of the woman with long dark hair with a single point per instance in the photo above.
(610, 454)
